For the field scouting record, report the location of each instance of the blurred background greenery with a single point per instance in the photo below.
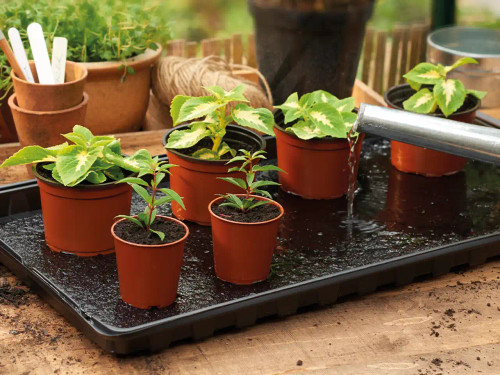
(198, 19)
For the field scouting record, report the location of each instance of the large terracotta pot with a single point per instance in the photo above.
(316, 168)
(44, 128)
(197, 180)
(118, 106)
(77, 219)
(38, 97)
(243, 251)
(149, 274)
(430, 163)
(7, 127)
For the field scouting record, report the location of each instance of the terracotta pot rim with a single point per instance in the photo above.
(105, 185)
(64, 84)
(146, 58)
(312, 140)
(282, 210)
(152, 246)
(211, 162)
(13, 105)
(406, 86)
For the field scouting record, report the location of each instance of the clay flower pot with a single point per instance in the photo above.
(196, 180)
(38, 97)
(316, 168)
(243, 251)
(430, 163)
(77, 219)
(149, 274)
(44, 128)
(118, 106)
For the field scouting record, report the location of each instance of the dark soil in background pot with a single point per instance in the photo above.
(131, 232)
(256, 215)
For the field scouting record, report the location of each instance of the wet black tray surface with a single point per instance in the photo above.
(396, 214)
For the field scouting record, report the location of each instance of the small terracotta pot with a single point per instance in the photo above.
(44, 128)
(316, 168)
(413, 159)
(149, 274)
(77, 219)
(197, 180)
(116, 106)
(7, 127)
(38, 97)
(243, 251)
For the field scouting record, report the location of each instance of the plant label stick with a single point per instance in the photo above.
(20, 53)
(59, 50)
(4, 45)
(40, 54)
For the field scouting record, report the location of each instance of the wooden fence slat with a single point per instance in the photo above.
(414, 46)
(403, 65)
(191, 49)
(210, 47)
(237, 43)
(251, 56)
(423, 46)
(367, 55)
(227, 50)
(395, 54)
(378, 78)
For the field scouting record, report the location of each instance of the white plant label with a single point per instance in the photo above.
(40, 54)
(20, 53)
(59, 51)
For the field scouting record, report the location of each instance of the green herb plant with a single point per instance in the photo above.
(447, 94)
(210, 115)
(248, 185)
(318, 114)
(157, 170)
(91, 159)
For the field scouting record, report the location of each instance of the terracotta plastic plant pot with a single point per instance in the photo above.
(149, 274)
(316, 168)
(38, 97)
(118, 106)
(243, 251)
(77, 219)
(196, 180)
(7, 127)
(44, 128)
(430, 163)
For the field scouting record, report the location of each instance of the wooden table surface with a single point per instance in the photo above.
(446, 325)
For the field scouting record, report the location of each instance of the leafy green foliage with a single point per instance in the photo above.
(447, 94)
(93, 159)
(248, 185)
(213, 116)
(97, 30)
(318, 114)
(158, 171)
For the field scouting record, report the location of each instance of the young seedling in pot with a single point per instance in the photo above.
(248, 184)
(438, 91)
(318, 114)
(157, 171)
(210, 115)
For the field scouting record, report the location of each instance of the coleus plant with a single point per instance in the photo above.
(210, 115)
(447, 94)
(157, 170)
(250, 168)
(318, 114)
(91, 159)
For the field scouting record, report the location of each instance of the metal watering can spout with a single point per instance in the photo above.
(454, 137)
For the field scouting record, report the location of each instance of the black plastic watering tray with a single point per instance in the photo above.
(405, 226)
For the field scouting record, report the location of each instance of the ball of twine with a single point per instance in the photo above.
(175, 75)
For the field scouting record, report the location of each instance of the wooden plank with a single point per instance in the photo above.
(251, 56)
(191, 49)
(423, 44)
(364, 94)
(403, 66)
(237, 44)
(378, 78)
(210, 47)
(394, 61)
(415, 45)
(227, 50)
(367, 55)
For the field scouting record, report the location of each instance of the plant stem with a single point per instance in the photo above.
(221, 113)
(152, 205)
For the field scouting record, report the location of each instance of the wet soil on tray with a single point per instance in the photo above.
(255, 215)
(131, 232)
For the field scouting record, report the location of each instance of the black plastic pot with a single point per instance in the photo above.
(305, 51)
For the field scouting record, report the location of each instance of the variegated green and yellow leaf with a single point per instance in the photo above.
(426, 73)
(224, 149)
(460, 62)
(75, 163)
(29, 155)
(189, 137)
(450, 95)
(260, 119)
(76, 138)
(175, 107)
(206, 154)
(478, 94)
(195, 108)
(306, 130)
(84, 132)
(95, 177)
(291, 108)
(422, 101)
(328, 120)
(349, 120)
(344, 105)
(322, 96)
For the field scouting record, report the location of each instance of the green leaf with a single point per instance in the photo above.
(224, 149)
(322, 96)
(133, 180)
(132, 219)
(29, 155)
(49, 167)
(217, 91)
(306, 100)
(414, 85)
(306, 130)
(460, 62)
(114, 173)
(450, 95)
(77, 139)
(257, 204)
(56, 176)
(173, 196)
(344, 105)
(263, 192)
(349, 119)
(328, 120)
(260, 119)
(82, 131)
(195, 108)
(58, 148)
(259, 184)
(422, 101)
(96, 177)
(189, 137)
(235, 181)
(265, 168)
(139, 160)
(142, 192)
(158, 233)
(74, 163)
(176, 105)
(153, 215)
(478, 94)
(291, 108)
(426, 73)
(206, 154)
(115, 147)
